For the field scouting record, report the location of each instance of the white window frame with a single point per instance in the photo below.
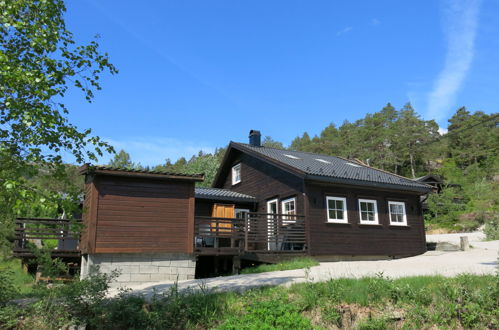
(235, 168)
(404, 217)
(376, 219)
(345, 214)
(271, 230)
(287, 220)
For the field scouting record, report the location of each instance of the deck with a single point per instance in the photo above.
(40, 231)
(256, 233)
(254, 236)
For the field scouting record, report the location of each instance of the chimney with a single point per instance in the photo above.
(255, 138)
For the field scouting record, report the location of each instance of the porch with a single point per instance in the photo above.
(250, 235)
(61, 236)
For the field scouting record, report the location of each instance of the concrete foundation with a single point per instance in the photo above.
(138, 268)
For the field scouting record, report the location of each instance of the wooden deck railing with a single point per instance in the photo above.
(38, 231)
(256, 232)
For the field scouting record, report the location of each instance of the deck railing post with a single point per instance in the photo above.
(246, 231)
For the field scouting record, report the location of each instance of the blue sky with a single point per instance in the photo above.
(196, 74)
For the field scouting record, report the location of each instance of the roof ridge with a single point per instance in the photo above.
(379, 169)
(304, 152)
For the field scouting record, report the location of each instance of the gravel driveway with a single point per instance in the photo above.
(481, 259)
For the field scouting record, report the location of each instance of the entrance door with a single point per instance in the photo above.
(272, 208)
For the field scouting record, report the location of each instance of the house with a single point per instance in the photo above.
(265, 205)
(350, 209)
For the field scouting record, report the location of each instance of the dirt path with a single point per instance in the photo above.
(482, 259)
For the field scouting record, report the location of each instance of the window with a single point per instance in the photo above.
(241, 213)
(397, 213)
(368, 212)
(336, 209)
(288, 206)
(291, 156)
(236, 174)
(322, 161)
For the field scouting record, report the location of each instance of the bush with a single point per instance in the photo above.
(491, 228)
(8, 290)
(373, 324)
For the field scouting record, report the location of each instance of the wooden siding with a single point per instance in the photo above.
(265, 181)
(142, 215)
(89, 217)
(354, 239)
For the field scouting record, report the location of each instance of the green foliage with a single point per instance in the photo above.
(268, 312)
(389, 139)
(87, 297)
(22, 281)
(296, 263)
(467, 301)
(469, 200)
(39, 62)
(122, 160)
(374, 324)
(206, 163)
(7, 288)
(50, 267)
(491, 228)
(271, 143)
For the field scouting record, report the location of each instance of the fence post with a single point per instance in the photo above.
(246, 227)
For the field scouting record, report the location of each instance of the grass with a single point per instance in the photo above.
(296, 263)
(466, 301)
(21, 280)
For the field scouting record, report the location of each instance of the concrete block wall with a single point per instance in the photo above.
(138, 268)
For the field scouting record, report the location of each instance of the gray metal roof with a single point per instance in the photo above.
(222, 194)
(335, 169)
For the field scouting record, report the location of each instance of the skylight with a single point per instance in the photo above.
(322, 161)
(352, 164)
(291, 156)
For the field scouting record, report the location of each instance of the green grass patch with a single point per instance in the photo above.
(466, 301)
(21, 280)
(296, 263)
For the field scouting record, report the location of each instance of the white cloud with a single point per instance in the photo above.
(443, 131)
(375, 21)
(154, 150)
(344, 30)
(460, 19)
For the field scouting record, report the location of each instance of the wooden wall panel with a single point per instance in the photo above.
(265, 181)
(355, 239)
(143, 215)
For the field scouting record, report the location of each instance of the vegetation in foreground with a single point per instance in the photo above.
(466, 301)
(295, 263)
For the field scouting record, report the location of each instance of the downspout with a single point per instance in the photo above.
(306, 209)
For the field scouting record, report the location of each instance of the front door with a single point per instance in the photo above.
(272, 208)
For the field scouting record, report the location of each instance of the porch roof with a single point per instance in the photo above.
(222, 194)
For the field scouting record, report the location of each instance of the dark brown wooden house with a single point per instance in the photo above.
(349, 209)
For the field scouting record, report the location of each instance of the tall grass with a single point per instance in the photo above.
(296, 263)
(20, 279)
(466, 301)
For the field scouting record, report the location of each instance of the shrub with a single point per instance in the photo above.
(332, 316)
(491, 228)
(7, 288)
(373, 324)
(87, 298)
